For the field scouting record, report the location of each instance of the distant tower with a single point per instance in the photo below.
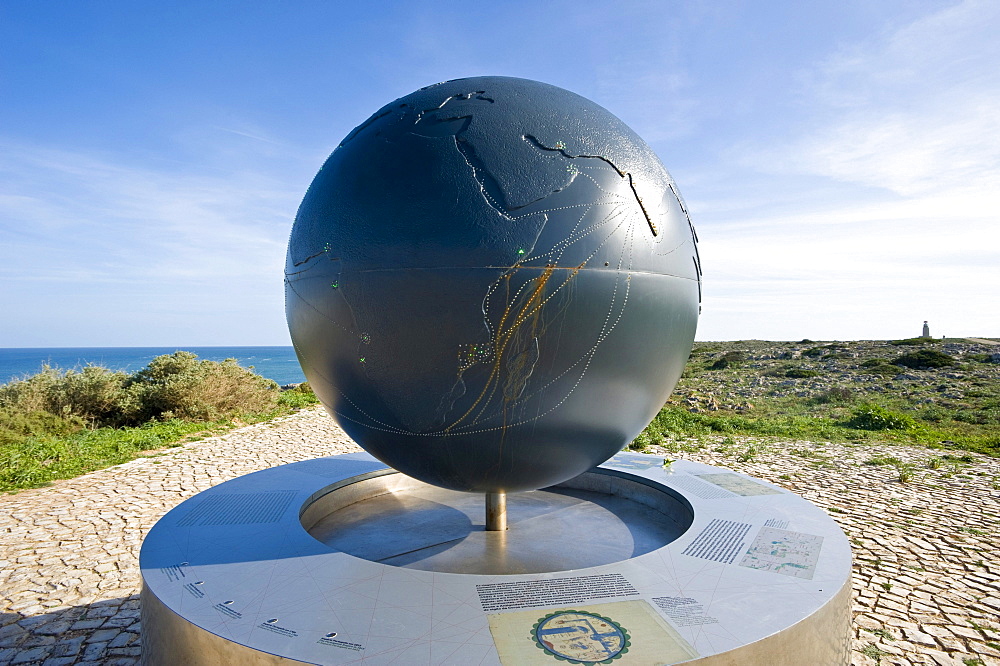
(927, 331)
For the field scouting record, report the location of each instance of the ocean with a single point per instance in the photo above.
(277, 363)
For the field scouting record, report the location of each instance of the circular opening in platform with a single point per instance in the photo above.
(593, 519)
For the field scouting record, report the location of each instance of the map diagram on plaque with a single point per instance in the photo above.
(621, 632)
(784, 552)
(580, 636)
(740, 485)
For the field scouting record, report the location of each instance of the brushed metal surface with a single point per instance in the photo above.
(822, 638)
(171, 640)
(586, 522)
(264, 593)
(496, 512)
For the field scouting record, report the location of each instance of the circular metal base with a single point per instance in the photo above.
(345, 561)
(407, 523)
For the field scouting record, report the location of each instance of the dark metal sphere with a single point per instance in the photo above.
(492, 284)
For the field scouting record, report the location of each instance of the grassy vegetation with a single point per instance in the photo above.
(845, 391)
(925, 358)
(58, 424)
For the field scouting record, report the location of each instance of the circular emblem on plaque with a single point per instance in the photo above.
(580, 637)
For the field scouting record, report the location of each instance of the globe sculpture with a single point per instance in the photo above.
(492, 284)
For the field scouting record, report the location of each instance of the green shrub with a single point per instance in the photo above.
(731, 359)
(296, 399)
(642, 440)
(176, 385)
(17, 426)
(880, 366)
(834, 394)
(749, 454)
(800, 373)
(180, 386)
(912, 342)
(978, 417)
(813, 351)
(58, 424)
(780, 370)
(874, 417)
(934, 414)
(925, 358)
(884, 460)
(93, 393)
(707, 350)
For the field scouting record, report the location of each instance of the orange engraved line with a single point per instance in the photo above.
(498, 352)
(503, 339)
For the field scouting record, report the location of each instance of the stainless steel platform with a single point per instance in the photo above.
(344, 561)
(406, 523)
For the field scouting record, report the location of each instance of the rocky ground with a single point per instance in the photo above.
(970, 387)
(924, 526)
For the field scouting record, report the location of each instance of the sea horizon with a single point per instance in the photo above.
(276, 362)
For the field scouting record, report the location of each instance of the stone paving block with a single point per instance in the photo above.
(951, 644)
(981, 648)
(124, 639)
(992, 602)
(53, 628)
(859, 659)
(88, 623)
(58, 661)
(11, 635)
(896, 661)
(991, 634)
(102, 610)
(30, 655)
(32, 622)
(94, 651)
(68, 646)
(33, 641)
(918, 637)
(965, 632)
(942, 658)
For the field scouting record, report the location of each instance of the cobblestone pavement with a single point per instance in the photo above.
(925, 530)
(926, 574)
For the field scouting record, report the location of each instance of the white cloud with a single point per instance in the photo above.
(115, 222)
(908, 126)
(94, 250)
(915, 112)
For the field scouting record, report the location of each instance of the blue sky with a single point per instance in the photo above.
(841, 160)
